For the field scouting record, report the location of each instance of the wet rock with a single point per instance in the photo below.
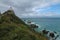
(52, 35)
(45, 32)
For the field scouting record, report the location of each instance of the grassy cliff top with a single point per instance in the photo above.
(13, 28)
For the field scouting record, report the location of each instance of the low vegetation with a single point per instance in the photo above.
(13, 28)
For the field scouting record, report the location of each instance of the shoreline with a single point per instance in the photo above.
(42, 29)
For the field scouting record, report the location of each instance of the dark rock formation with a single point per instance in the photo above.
(52, 35)
(45, 31)
(33, 26)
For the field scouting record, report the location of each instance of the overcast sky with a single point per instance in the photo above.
(32, 8)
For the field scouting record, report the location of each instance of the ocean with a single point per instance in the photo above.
(52, 24)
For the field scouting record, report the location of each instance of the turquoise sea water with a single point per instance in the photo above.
(52, 24)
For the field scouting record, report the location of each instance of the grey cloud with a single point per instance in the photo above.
(22, 7)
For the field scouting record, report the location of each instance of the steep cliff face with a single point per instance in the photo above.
(13, 28)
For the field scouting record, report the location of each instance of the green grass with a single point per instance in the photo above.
(13, 28)
(17, 32)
